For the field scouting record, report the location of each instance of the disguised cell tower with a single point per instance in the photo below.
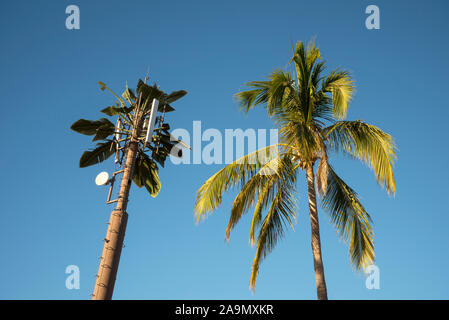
(138, 131)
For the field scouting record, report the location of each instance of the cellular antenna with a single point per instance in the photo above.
(118, 127)
(152, 121)
(102, 179)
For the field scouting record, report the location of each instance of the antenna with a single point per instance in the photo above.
(118, 126)
(102, 179)
(152, 121)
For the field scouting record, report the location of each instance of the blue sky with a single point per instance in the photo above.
(53, 215)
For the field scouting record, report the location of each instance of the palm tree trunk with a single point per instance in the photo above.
(107, 272)
(316, 242)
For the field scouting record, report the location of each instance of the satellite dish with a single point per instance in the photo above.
(102, 179)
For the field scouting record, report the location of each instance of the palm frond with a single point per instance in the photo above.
(316, 76)
(301, 137)
(340, 84)
(258, 94)
(265, 193)
(350, 219)
(369, 144)
(248, 194)
(282, 211)
(260, 186)
(280, 88)
(238, 172)
(322, 110)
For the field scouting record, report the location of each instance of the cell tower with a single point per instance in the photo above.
(138, 130)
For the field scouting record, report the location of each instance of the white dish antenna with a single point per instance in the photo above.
(102, 179)
(152, 121)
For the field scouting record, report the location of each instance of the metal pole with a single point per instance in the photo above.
(113, 243)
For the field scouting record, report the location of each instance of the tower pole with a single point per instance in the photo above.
(113, 243)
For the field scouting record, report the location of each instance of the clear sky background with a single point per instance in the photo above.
(53, 215)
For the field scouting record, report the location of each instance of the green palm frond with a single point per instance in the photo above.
(238, 172)
(350, 219)
(258, 94)
(340, 84)
(271, 93)
(305, 57)
(248, 194)
(316, 75)
(273, 171)
(281, 90)
(282, 211)
(264, 196)
(300, 137)
(369, 144)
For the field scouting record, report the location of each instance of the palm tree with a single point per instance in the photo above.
(127, 140)
(309, 112)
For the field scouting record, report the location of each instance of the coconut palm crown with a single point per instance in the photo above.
(310, 111)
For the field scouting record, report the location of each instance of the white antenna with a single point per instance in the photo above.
(102, 179)
(118, 127)
(152, 121)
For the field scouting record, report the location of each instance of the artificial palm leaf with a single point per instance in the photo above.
(104, 131)
(116, 110)
(129, 95)
(146, 174)
(103, 151)
(149, 92)
(175, 95)
(89, 127)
